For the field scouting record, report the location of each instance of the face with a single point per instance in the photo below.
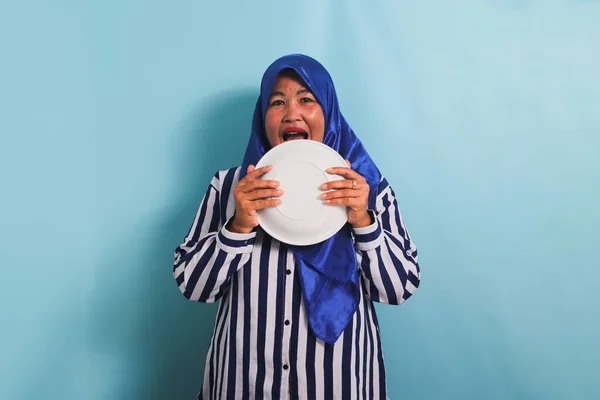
(293, 112)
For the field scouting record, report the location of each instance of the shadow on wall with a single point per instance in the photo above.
(159, 337)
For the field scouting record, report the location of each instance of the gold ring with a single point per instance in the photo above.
(354, 184)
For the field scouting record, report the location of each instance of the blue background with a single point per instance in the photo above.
(483, 115)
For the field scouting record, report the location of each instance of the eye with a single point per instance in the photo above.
(275, 103)
(306, 100)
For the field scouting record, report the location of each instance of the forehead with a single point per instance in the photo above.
(288, 78)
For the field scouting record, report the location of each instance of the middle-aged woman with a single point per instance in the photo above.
(294, 321)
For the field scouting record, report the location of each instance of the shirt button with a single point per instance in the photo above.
(285, 367)
(287, 271)
(287, 322)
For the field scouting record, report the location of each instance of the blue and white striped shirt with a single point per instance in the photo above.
(262, 346)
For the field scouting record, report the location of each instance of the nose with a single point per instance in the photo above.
(292, 112)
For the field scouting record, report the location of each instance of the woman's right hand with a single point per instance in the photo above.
(252, 194)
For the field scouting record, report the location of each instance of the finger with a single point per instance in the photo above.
(348, 163)
(336, 194)
(258, 184)
(347, 173)
(250, 169)
(264, 203)
(253, 176)
(353, 202)
(345, 184)
(263, 194)
(255, 173)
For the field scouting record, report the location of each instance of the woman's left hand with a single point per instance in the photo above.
(352, 192)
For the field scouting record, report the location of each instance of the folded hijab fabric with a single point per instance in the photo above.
(328, 270)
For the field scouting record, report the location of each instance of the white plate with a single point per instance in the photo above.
(302, 218)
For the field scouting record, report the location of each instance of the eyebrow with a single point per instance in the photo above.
(299, 92)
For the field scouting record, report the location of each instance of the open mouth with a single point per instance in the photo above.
(294, 136)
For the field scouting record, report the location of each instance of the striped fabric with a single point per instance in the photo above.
(262, 346)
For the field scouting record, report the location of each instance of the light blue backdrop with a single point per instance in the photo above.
(484, 116)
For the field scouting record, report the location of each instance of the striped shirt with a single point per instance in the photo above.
(262, 346)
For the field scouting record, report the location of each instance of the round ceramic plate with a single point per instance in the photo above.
(302, 218)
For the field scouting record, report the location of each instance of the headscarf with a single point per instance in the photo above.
(328, 270)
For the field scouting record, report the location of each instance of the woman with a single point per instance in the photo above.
(297, 321)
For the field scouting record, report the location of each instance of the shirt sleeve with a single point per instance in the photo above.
(210, 254)
(387, 257)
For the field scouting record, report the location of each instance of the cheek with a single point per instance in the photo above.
(269, 122)
(271, 125)
(318, 122)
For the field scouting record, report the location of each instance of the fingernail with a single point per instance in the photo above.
(323, 196)
(323, 186)
(327, 201)
(329, 170)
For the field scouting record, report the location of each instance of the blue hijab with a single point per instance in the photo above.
(328, 270)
